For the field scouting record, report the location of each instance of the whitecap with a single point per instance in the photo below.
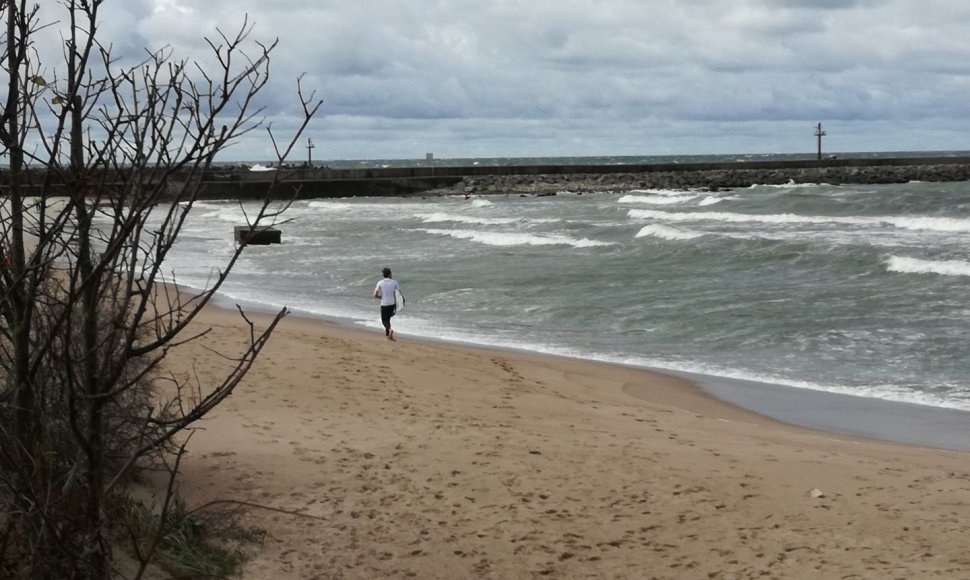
(656, 199)
(786, 218)
(334, 205)
(506, 239)
(233, 215)
(666, 233)
(790, 185)
(439, 217)
(673, 192)
(710, 200)
(938, 224)
(904, 265)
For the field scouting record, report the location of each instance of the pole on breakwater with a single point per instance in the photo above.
(819, 133)
(309, 152)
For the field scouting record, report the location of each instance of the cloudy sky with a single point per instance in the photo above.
(490, 78)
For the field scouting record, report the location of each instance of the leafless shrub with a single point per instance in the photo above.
(86, 319)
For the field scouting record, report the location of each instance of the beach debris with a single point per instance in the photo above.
(817, 493)
(257, 235)
(535, 452)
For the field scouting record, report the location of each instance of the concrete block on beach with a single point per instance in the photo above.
(259, 235)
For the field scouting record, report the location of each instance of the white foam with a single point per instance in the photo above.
(207, 204)
(438, 217)
(937, 224)
(786, 218)
(656, 199)
(481, 203)
(506, 239)
(790, 185)
(672, 192)
(666, 233)
(334, 205)
(906, 265)
(933, 224)
(226, 215)
(710, 200)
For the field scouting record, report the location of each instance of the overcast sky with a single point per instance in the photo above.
(495, 78)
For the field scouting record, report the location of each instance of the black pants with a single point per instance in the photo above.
(386, 313)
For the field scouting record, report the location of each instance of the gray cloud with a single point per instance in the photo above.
(508, 77)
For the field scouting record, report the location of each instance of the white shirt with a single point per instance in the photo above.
(387, 286)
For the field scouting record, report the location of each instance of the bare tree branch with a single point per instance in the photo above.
(106, 164)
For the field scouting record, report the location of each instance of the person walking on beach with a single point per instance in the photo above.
(387, 291)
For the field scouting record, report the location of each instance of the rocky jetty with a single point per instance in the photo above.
(713, 179)
(323, 182)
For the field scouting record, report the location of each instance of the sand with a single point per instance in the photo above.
(415, 459)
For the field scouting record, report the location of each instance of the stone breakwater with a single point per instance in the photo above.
(714, 179)
(289, 182)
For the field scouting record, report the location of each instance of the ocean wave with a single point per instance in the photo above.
(665, 233)
(657, 191)
(904, 265)
(790, 185)
(880, 391)
(505, 239)
(208, 203)
(656, 199)
(439, 217)
(234, 215)
(710, 200)
(667, 192)
(706, 373)
(786, 218)
(934, 224)
(334, 205)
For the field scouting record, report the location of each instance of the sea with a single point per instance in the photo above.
(860, 290)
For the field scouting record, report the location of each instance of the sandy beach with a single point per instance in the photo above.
(415, 459)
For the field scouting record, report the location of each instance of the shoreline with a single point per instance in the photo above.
(362, 458)
(834, 413)
(850, 415)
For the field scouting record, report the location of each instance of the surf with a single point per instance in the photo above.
(504, 239)
(904, 265)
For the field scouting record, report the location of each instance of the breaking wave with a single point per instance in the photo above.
(505, 239)
(906, 265)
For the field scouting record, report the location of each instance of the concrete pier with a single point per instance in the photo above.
(538, 179)
(323, 182)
